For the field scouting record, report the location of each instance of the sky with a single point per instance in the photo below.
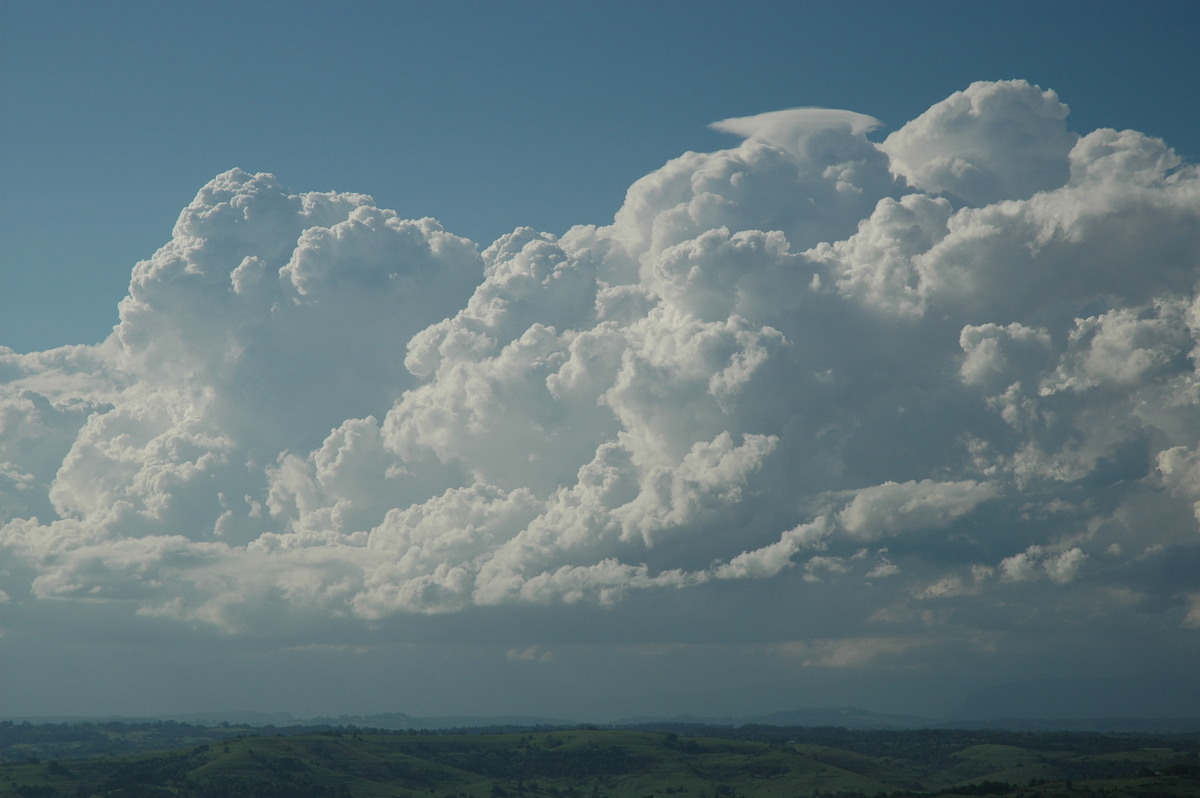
(597, 362)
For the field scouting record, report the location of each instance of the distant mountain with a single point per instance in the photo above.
(845, 717)
(400, 720)
(842, 717)
(233, 717)
(861, 719)
(1012, 707)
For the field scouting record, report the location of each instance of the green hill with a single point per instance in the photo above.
(589, 763)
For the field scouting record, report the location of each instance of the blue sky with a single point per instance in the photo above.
(486, 116)
(688, 397)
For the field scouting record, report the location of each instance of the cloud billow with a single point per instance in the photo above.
(957, 362)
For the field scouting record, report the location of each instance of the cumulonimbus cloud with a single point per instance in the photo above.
(775, 358)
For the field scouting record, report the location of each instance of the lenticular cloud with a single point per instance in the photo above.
(956, 360)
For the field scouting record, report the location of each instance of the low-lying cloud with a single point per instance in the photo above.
(957, 361)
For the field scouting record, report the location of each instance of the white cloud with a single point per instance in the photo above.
(783, 128)
(891, 508)
(1192, 620)
(1180, 470)
(989, 142)
(885, 567)
(1061, 567)
(771, 559)
(880, 265)
(775, 355)
(997, 357)
(530, 654)
(809, 173)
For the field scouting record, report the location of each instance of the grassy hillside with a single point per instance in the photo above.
(588, 763)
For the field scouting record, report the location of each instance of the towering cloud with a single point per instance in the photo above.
(957, 362)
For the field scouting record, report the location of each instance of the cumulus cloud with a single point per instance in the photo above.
(1036, 561)
(989, 142)
(530, 654)
(776, 357)
(891, 507)
(1192, 620)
